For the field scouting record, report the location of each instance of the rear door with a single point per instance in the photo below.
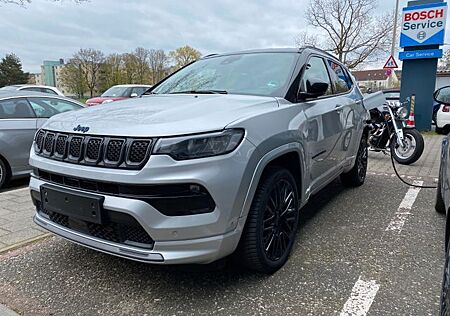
(324, 125)
(17, 129)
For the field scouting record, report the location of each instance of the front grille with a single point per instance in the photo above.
(114, 150)
(48, 143)
(138, 151)
(75, 147)
(117, 227)
(39, 138)
(60, 148)
(101, 151)
(93, 149)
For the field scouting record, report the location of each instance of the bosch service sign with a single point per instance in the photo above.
(423, 25)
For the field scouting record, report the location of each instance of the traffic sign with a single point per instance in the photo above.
(391, 63)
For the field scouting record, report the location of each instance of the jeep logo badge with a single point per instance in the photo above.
(80, 128)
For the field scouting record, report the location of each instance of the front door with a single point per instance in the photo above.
(324, 126)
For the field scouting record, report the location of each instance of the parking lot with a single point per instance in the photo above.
(379, 244)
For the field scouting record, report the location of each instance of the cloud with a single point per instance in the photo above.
(49, 30)
(46, 30)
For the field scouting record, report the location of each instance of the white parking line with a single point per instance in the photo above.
(404, 209)
(361, 298)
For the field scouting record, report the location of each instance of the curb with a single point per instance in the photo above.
(23, 243)
(5, 311)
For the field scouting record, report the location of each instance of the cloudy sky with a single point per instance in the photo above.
(51, 30)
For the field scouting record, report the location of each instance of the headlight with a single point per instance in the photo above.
(402, 112)
(200, 146)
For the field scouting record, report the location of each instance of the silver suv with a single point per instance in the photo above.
(216, 159)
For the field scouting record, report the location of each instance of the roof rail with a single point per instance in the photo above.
(321, 50)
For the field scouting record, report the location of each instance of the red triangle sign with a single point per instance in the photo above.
(391, 63)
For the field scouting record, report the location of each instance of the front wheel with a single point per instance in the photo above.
(412, 147)
(272, 223)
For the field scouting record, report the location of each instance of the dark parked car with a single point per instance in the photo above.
(21, 114)
(442, 205)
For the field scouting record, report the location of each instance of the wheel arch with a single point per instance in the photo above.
(290, 156)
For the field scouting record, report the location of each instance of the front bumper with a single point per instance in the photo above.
(202, 250)
(200, 238)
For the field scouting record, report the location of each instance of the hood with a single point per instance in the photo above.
(163, 115)
(99, 100)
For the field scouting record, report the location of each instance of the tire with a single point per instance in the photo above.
(3, 174)
(262, 247)
(445, 292)
(413, 138)
(439, 206)
(357, 175)
(439, 130)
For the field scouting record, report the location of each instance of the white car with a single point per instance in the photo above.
(34, 88)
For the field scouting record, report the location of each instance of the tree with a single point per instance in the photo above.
(142, 66)
(111, 72)
(158, 64)
(11, 71)
(90, 61)
(444, 62)
(354, 32)
(72, 77)
(183, 56)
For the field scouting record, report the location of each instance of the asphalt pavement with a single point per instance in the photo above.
(342, 241)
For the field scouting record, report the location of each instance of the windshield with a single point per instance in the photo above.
(117, 91)
(265, 74)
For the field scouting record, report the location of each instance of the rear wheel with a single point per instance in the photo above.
(357, 175)
(412, 147)
(272, 223)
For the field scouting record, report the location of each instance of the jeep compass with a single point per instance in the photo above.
(216, 159)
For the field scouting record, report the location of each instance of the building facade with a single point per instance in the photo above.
(376, 79)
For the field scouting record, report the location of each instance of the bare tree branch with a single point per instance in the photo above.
(355, 33)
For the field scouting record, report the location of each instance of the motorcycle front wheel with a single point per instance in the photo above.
(412, 147)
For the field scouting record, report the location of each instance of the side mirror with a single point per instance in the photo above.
(134, 95)
(314, 88)
(442, 95)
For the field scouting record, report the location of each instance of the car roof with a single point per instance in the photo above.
(27, 94)
(276, 50)
(31, 85)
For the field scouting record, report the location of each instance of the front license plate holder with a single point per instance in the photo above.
(79, 205)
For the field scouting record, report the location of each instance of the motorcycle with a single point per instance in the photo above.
(389, 132)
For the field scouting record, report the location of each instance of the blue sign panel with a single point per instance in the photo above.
(421, 54)
(423, 25)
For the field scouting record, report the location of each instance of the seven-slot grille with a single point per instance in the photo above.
(111, 152)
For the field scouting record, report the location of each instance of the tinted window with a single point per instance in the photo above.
(46, 90)
(340, 78)
(139, 90)
(47, 107)
(32, 89)
(315, 70)
(15, 108)
(265, 74)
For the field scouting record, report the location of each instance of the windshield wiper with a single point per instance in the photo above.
(201, 92)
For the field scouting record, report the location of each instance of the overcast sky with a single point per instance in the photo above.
(47, 30)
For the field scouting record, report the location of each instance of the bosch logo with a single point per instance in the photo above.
(80, 128)
(421, 35)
